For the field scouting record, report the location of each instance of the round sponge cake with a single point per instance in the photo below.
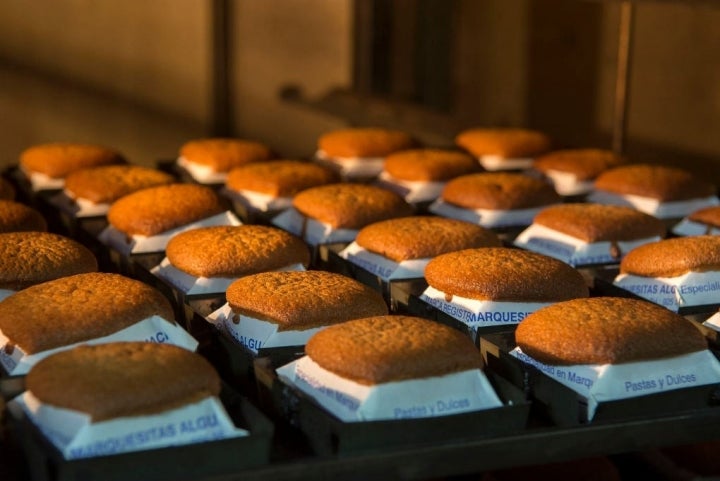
(29, 258)
(234, 251)
(419, 237)
(104, 185)
(654, 181)
(299, 300)
(15, 217)
(363, 142)
(392, 348)
(584, 164)
(503, 142)
(279, 178)
(57, 160)
(708, 215)
(158, 209)
(113, 380)
(504, 274)
(429, 165)
(223, 154)
(90, 305)
(673, 257)
(498, 191)
(606, 330)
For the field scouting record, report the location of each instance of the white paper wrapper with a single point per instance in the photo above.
(608, 382)
(5, 293)
(686, 227)
(75, 436)
(576, 252)
(310, 230)
(497, 162)
(151, 329)
(254, 334)
(478, 314)
(139, 244)
(661, 210)
(353, 167)
(257, 201)
(713, 322)
(201, 285)
(486, 217)
(202, 173)
(383, 267)
(457, 393)
(78, 207)
(40, 181)
(411, 191)
(691, 289)
(568, 184)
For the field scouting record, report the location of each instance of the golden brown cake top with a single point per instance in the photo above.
(300, 300)
(510, 143)
(158, 209)
(384, 349)
(106, 184)
(606, 330)
(280, 178)
(673, 257)
(57, 160)
(599, 222)
(655, 181)
(426, 165)
(499, 191)
(707, 215)
(585, 164)
(504, 274)
(235, 251)
(29, 258)
(77, 308)
(222, 154)
(113, 380)
(15, 217)
(363, 142)
(7, 191)
(419, 237)
(350, 206)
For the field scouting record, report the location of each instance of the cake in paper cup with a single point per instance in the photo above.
(334, 213)
(123, 397)
(589, 234)
(208, 259)
(401, 248)
(495, 199)
(359, 153)
(419, 175)
(609, 348)
(498, 286)
(47, 165)
(573, 171)
(391, 367)
(90, 308)
(705, 221)
(17, 217)
(271, 186)
(277, 309)
(662, 191)
(676, 273)
(209, 160)
(145, 220)
(504, 148)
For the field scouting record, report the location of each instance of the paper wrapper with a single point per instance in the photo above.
(713, 322)
(139, 244)
(383, 267)
(202, 173)
(456, 393)
(257, 201)
(496, 162)
(152, 329)
(352, 167)
(200, 285)
(686, 227)
(478, 314)
(310, 230)
(661, 210)
(609, 382)
(567, 184)
(412, 192)
(40, 181)
(78, 207)
(76, 436)
(576, 252)
(254, 334)
(5, 293)
(486, 217)
(691, 289)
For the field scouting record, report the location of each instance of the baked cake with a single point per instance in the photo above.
(674, 257)
(573, 171)
(209, 160)
(703, 221)
(104, 185)
(503, 148)
(15, 217)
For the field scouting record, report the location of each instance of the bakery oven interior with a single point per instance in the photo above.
(640, 77)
